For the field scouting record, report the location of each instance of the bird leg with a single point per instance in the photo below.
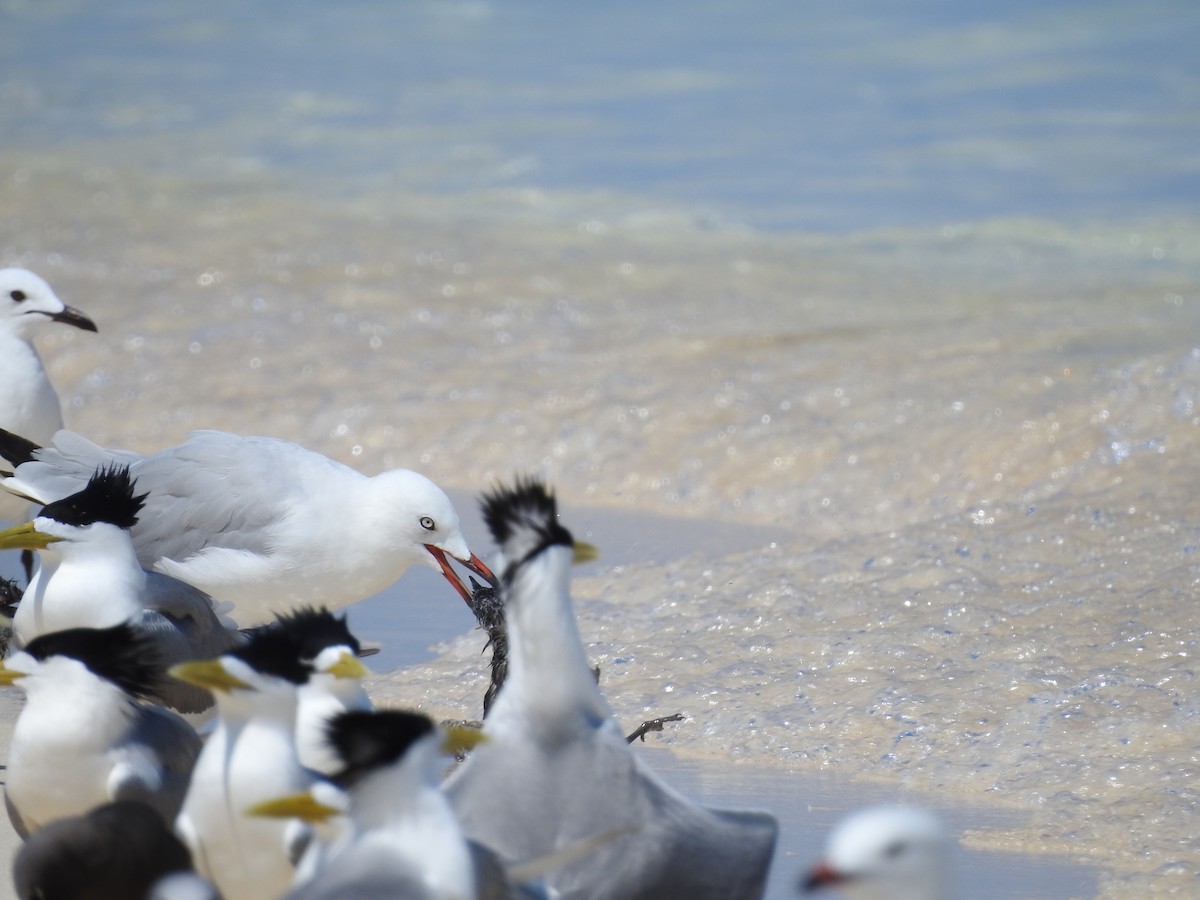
(489, 613)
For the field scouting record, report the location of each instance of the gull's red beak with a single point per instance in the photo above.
(475, 564)
(821, 875)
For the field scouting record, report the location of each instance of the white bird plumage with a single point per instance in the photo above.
(556, 769)
(400, 837)
(893, 852)
(82, 738)
(335, 685)
(261, 522)
(249, 757)
(29, 405)
(89, 577)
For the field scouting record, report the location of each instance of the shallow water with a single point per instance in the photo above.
(915, 391)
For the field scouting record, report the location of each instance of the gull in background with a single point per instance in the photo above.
(556, 769)
(82, 738)
(29, 404)
(90, 578)
(885, 853)
(261, 522)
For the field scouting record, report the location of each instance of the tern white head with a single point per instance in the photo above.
(83, 738)
(894, 852)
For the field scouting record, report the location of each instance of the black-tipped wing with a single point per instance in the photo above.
(15, 449)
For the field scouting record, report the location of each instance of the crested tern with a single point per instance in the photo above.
(262, 522)
(557, 770)
(335, 685)
(82, 738)
(90, 578)
(893, 852)
(401, 837)
(249, 757)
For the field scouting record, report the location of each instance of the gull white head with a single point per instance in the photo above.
(26, 300)
(894, 852)
(419, 514)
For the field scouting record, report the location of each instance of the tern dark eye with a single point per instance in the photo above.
(18, 296)
(895, 849)
(427, 523)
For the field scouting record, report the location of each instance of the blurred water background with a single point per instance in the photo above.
(861, 337)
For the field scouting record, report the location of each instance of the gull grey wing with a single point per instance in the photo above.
(216, 490)
(193, 614)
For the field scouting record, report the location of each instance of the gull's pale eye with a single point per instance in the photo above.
(18, 296)
(427, 523)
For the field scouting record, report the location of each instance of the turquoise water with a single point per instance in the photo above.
(768, 113)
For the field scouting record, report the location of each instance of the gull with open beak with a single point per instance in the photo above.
(556, 768)
(82, 738)
(263, 523)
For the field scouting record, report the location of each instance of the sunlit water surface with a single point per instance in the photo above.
(892, 321)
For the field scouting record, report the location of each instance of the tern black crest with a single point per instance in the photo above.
(367, 741)
(313, 630)
(121, 654)
(523, 520)
(15, 448)
(274, 651)
(108, 497)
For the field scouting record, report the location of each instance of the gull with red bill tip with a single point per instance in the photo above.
(892, 852)
(262, 523)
